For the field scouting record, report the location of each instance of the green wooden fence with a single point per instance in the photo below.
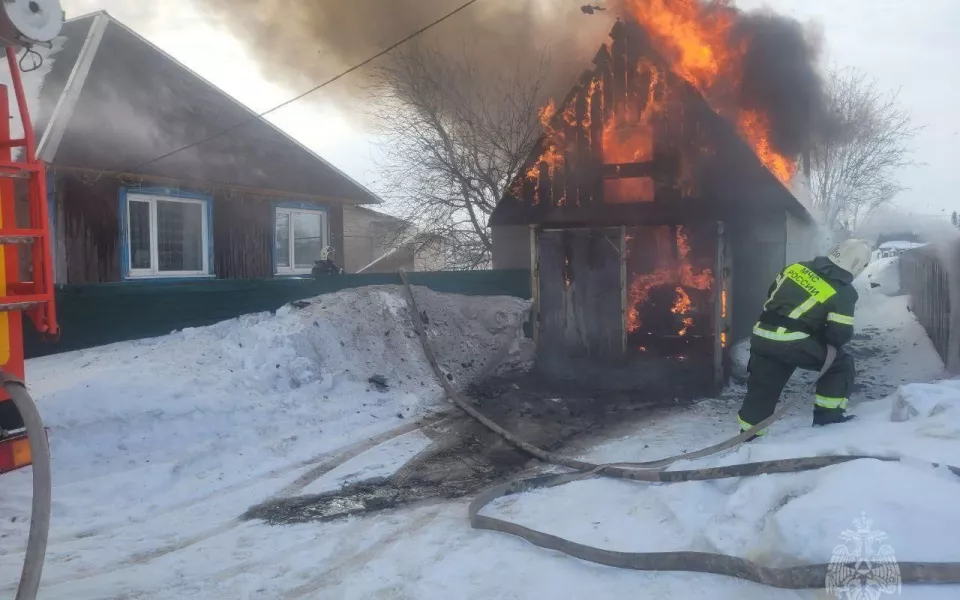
(94, 315)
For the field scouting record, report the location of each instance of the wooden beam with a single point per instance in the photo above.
(664, 167)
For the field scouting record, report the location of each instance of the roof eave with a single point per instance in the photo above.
(374, 198)
(102, 19)
(206, 185)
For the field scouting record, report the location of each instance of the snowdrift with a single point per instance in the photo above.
(205, 408)
(882, 275)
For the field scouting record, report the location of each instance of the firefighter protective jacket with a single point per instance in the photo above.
(810, 299)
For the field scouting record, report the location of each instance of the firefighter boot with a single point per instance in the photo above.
(829, 416)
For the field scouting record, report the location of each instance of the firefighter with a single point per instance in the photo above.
(808, 307)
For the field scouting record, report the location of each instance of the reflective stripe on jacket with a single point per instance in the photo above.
(810, 298)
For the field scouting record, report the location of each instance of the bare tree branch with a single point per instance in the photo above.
(854, 172)
(453, 140)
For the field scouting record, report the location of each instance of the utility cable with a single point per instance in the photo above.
(310, 91)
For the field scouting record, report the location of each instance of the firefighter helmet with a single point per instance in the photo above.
(852, 256)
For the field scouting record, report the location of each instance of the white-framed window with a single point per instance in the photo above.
(301, 234)
(167, 237)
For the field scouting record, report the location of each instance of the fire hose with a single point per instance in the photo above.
(40, 511)
(814, 576)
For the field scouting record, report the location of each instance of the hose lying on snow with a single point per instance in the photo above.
(798, 577)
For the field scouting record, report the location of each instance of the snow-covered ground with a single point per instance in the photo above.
(160, 445)
(883, 275)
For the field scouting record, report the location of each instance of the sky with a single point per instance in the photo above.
(906, 45)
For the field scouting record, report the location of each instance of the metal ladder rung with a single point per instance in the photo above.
(17, 170)
(12, 306)
(20, 236)
(22, 302)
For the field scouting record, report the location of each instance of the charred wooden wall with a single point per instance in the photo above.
(243, 235)
(87, 226)
(569, 169)
(580, 306)
(243, 232)
(633, 143)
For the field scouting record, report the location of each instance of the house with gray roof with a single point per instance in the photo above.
(111, 110)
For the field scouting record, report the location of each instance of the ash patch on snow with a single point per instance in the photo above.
(868, 343)
(466, 457)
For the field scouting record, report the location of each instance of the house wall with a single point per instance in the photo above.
(803, 239)
(366, 236)
(759, 253)
(87, 230)
(243, 230)
(511, 246)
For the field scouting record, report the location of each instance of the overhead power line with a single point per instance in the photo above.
(310, 91)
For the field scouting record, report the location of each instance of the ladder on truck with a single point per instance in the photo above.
(23, 184)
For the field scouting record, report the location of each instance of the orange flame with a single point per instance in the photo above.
(695, 38)
(551, 156)
(682, 306)
(587, 122)
(691, 35)
(677, 272)
(652, 105)
(754, 127)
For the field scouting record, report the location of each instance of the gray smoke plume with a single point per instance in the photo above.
(781, 78)
(300, 43)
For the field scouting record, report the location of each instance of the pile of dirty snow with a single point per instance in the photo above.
(169, 421)
(370, 333)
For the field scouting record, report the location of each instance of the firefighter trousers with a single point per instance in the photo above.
(772, 363)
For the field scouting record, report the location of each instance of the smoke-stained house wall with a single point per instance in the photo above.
(109, 106)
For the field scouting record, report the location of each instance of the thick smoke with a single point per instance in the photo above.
(780, 77)
(300, 43)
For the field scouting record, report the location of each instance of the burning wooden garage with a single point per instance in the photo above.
(652, 227)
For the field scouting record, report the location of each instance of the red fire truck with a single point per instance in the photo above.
(26, 270)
